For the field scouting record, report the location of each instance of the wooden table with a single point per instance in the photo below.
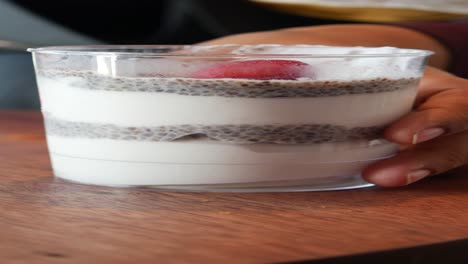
(45, 220)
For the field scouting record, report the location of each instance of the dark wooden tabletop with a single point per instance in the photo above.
(45, 220)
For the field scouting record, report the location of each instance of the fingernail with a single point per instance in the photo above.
(427, 134)
(417, 175)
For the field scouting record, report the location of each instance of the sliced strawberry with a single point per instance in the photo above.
(254, 69)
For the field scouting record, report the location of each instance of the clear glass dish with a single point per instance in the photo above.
(223, 118)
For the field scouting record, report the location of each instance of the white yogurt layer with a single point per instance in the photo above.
(284, 176)
(213, 152)
(63, 101)
(116, 162)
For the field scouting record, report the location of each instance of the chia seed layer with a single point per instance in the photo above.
(245, 88)
(237, 134)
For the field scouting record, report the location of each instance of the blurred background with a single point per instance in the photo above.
(33, 23)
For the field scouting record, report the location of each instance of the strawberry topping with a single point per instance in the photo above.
(254, 69)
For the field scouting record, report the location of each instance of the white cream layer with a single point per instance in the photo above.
(69, 103)
(213, 152)
(116, 162)
(119, 173)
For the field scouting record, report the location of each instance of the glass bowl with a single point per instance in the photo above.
(223, 118)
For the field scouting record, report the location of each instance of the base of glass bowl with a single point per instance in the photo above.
(213, 178)
(314, 185)
(309, 185)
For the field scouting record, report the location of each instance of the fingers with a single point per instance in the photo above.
(434, 136)
(444, 113)
(421, 161)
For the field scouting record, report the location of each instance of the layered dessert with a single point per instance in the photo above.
(229, 117)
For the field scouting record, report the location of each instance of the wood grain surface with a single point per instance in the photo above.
(45, 220)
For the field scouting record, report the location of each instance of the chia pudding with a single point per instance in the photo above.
(224, 117)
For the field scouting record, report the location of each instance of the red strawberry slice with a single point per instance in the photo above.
(254, 69)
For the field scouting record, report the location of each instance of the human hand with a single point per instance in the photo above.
(434, 136)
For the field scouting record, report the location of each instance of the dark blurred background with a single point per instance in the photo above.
(32, 23)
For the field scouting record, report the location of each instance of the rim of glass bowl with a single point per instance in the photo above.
(161, 51)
